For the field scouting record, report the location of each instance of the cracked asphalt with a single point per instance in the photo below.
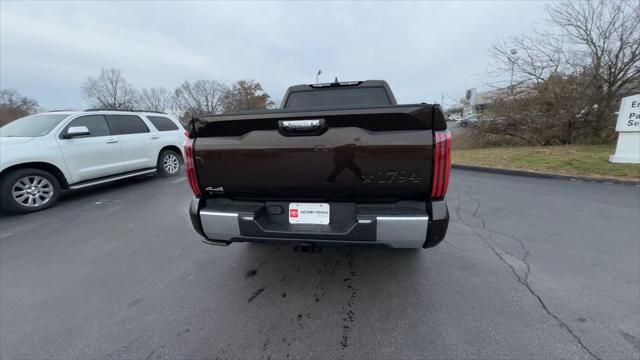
(531, 268)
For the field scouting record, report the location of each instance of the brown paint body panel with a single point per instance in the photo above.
(369, 154)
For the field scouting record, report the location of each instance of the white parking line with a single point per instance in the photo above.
(178, 180)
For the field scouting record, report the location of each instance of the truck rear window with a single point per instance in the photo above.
(369, 96)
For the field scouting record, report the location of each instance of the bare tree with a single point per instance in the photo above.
(598, 38)
(246, 95)
(531, 58)
(110, 90)
(604, 45)
(13, 106)
(591, 48)
(200, 97)
(155, 99)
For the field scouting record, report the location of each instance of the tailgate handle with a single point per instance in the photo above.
(301, 127)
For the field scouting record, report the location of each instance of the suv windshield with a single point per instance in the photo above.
(369, 96)
(32, 125)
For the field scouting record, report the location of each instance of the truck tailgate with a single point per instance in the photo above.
(377, 154)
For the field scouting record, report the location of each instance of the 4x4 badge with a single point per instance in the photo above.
(218, 190)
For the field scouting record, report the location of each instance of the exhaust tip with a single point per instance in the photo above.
(307, 248)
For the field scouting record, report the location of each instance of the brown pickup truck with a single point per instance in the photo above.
(339, 163)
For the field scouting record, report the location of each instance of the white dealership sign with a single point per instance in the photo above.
(628, 128)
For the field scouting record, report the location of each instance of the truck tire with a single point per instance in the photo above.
(169, 163)
(28, 190)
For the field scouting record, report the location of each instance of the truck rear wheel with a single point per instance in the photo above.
(28, 190)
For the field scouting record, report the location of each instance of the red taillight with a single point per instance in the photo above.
(190, 168)
(441, 163)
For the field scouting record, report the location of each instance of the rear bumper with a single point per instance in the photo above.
(405, 224)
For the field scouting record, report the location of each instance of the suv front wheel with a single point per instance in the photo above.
(27, 190)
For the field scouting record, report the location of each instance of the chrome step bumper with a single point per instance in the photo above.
(396, 226)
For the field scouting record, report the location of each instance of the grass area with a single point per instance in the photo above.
(579, 160)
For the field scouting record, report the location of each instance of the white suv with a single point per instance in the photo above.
(44, 153)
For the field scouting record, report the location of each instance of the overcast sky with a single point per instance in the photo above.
(48, 49)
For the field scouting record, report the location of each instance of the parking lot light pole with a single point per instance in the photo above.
(514, 52)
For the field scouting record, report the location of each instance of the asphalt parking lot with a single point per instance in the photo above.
(531, 268)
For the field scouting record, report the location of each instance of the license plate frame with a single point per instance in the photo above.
(309, 213)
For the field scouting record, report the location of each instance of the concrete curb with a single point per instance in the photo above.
(543, 175)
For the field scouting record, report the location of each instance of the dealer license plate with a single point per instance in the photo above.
(309, 213)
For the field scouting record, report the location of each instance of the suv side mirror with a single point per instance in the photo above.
(75, 131)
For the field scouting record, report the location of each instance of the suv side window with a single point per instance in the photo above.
(127, 124)
(162, 123)
(96, 124)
